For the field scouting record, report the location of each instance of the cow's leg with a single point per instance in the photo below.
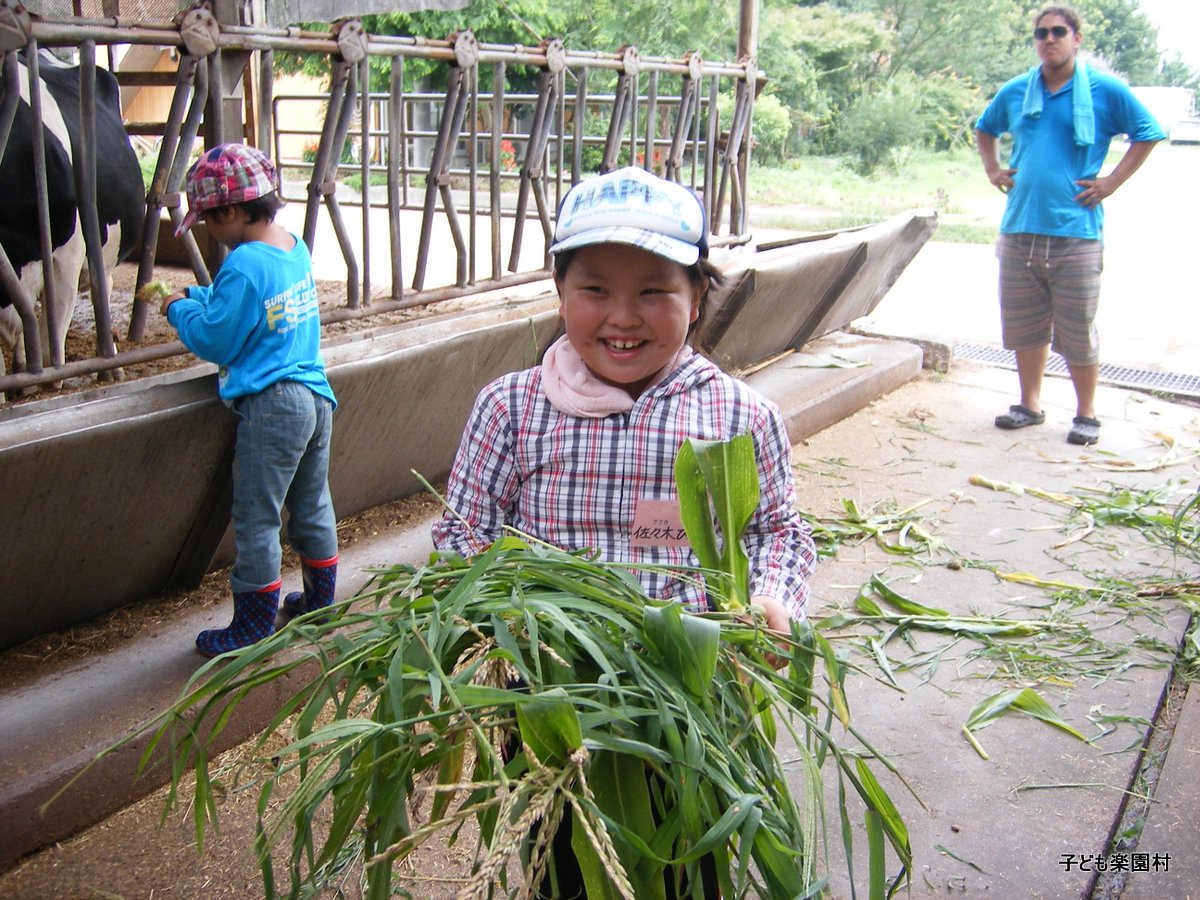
(110, 254)
(12, 329)
(10, 338)
(68, 263)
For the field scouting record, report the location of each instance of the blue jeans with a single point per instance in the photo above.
(281, 460)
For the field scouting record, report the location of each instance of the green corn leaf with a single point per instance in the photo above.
(890, 820)
(864, 604)
(835, 675)
(694, 509)
(450, 771)
(876, 857)
(966, 862)
(766, 714)
(746, 807)
(778, 864)
(903, 603)
(596, 881)
(1026, 700)
(881, 659)
(550, 726)
(687, 644)
(728, 471)
(677, 723)
(804, 664)
(619, 785)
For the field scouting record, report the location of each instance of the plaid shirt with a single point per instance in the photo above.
(574, 482)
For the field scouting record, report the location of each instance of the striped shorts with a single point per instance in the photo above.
(1049, 292)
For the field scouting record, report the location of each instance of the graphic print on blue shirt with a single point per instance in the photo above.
(290, 308)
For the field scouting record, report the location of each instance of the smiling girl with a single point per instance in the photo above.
(579, 452)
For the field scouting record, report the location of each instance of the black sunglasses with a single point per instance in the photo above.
(1059, 31)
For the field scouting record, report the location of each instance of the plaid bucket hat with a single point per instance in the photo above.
(632, 206)
(225, 175)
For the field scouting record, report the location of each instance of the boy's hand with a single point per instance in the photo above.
(155, 290)
(1002, 178)
(169, 299)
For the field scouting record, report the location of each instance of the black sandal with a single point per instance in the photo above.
(1019, 417)
(1084, 431)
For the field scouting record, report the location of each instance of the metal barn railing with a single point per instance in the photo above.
(477, 164)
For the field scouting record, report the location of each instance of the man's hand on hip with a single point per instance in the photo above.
(1095, 190)
(1002, 178)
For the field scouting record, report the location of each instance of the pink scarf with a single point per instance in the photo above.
(571, 387)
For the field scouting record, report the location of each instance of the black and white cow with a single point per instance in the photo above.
(120, 195)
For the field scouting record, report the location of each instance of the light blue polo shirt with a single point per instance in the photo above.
(1047, 160)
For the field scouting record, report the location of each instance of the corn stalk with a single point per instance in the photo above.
(524, 687)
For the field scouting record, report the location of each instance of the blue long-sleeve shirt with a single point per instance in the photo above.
(259, 321)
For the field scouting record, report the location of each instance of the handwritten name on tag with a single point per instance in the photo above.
(656, 523)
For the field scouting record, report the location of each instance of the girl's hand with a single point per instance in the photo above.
(775, 612)
(778, 620)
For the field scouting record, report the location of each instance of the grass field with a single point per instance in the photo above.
(819, 192)
(814, 193)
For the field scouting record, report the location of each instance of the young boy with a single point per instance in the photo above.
(259, 322)
(580, 451)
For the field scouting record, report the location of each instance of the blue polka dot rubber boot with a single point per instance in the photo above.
(253, 620)
(320, 579)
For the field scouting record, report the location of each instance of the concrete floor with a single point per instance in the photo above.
(1007, 825)
(1003, 825)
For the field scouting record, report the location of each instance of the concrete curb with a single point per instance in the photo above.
(1172, 828)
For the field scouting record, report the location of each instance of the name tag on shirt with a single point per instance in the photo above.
(656, 523)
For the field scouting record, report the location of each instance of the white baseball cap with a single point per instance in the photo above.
(632, 206)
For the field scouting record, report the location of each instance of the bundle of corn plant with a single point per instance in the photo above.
(154, 291)
(526, 687)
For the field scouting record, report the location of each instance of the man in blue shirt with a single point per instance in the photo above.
(1062, 115)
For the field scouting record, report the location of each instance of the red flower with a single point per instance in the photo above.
(508, 155)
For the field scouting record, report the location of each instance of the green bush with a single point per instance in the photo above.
(772, 126)
(881, 128)
(354, 179)
(148, 164)
(948, 109)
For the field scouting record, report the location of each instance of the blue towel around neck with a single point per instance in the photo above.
(1082, 116)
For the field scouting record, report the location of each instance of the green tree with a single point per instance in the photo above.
(521, 22)
(983, 41)
(772, 125)
(819, 59)
(948, 108)
(882, 127)
(656, 28)
(1119, 32)
(1176, 73)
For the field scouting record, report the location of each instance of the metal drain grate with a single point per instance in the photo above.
(1122, 376)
